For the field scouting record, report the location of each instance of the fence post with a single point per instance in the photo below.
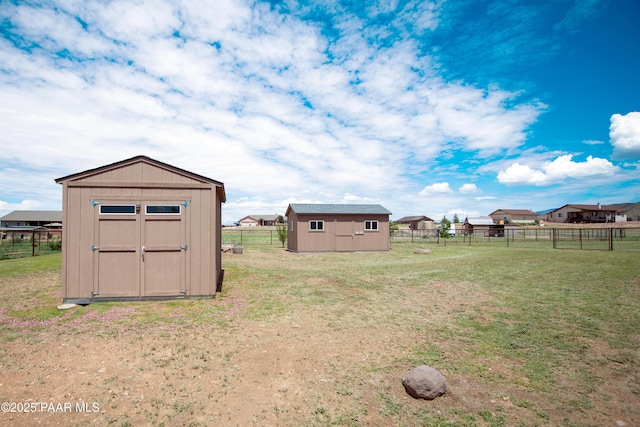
(580, 237)
(611, 239)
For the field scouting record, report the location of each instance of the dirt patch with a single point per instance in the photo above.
(212, 363)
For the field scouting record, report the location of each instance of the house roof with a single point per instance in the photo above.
(333, 209)
(49, 216)
(597, 207)
(148, 160)
(482, 220)
(270, 217)
(413, 219)
(514, 212)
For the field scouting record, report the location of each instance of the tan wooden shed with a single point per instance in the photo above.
(337, 228)
(140, 229)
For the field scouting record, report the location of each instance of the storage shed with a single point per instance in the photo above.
(337, 228)
(140, 229)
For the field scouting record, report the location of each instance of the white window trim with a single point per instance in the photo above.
(317, 221)
(370, 222)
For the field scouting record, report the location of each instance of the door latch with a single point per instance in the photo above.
(142, 253)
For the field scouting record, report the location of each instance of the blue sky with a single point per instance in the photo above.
(426, 107)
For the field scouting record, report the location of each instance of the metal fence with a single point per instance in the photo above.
(604, 238)
(250, 236)
(24, 243)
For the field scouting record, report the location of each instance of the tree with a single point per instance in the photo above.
(281, 229)
(456, 220)
(445, 226)
(393, 227)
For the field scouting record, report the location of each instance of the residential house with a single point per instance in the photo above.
(585, 214)
(29, 219)
(258, 221)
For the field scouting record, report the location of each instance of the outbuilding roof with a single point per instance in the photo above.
(147, 160)
(337, 209)
(483, 220)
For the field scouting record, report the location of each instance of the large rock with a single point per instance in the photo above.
(424, 382)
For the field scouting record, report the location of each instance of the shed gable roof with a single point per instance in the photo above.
(337, 209)
(147, 160)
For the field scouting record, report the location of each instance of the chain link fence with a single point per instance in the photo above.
(602, 238)
(24, 243)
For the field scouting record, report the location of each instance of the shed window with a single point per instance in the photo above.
(316, 225)
(162, 209)
(118, 209)
(371, 225)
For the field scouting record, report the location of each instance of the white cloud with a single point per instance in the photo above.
(272, 104)
(469, 189)
(625, 135)
(592, 142)
(557, 171)
(437, 188)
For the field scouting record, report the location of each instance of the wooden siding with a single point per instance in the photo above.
(341, 233)
(138, 183)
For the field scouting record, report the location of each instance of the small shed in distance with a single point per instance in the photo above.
(337, 228)
(140, 229)
(479, 226)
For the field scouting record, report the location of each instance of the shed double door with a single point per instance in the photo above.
(140, 249)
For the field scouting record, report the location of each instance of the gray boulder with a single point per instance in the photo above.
(424, 382)
(422, 251)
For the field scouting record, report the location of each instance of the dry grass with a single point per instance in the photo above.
(524, 337)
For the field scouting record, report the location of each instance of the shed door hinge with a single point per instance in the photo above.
(95, 248)
(185, 247)
(185, 203)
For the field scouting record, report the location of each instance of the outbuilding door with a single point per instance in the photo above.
(344, 236)
(140, 248)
